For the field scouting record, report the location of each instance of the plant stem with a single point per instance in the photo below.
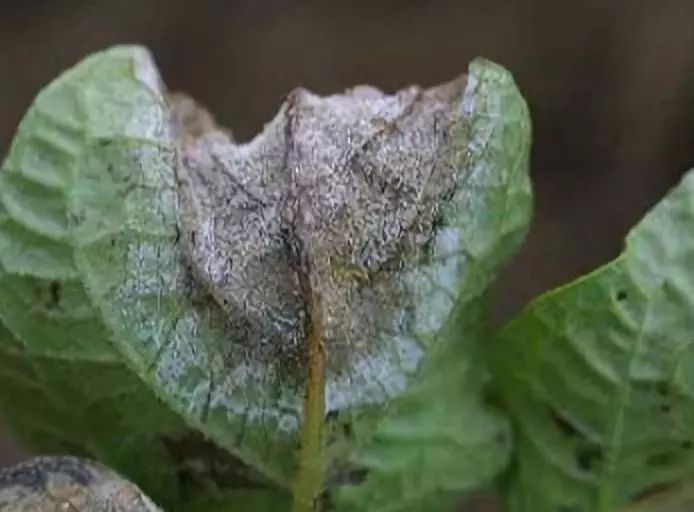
(309, 479)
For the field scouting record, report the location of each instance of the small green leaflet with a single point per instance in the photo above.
(109, 349)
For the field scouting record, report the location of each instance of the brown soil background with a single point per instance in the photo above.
(610, 87)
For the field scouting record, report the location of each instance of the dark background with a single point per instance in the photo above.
(610, 85)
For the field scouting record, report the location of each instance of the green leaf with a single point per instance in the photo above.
(438, 440)
(598, 374)
(113, 227)
(63, 388)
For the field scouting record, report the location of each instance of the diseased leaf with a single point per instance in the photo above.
(63, 386)
(438, 440)
(598, 375)
(49, 484)
(310, 301)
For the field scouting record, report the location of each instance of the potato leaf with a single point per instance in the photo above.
(310, 302)
(438, 440)
(598, 375)
(63, 387)
(47, 484)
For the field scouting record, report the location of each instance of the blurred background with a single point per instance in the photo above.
(610, 87)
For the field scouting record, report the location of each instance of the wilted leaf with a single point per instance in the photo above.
(599, 375)
(50, 484)
(319, 287)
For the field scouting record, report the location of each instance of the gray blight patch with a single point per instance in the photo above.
(342, 192)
